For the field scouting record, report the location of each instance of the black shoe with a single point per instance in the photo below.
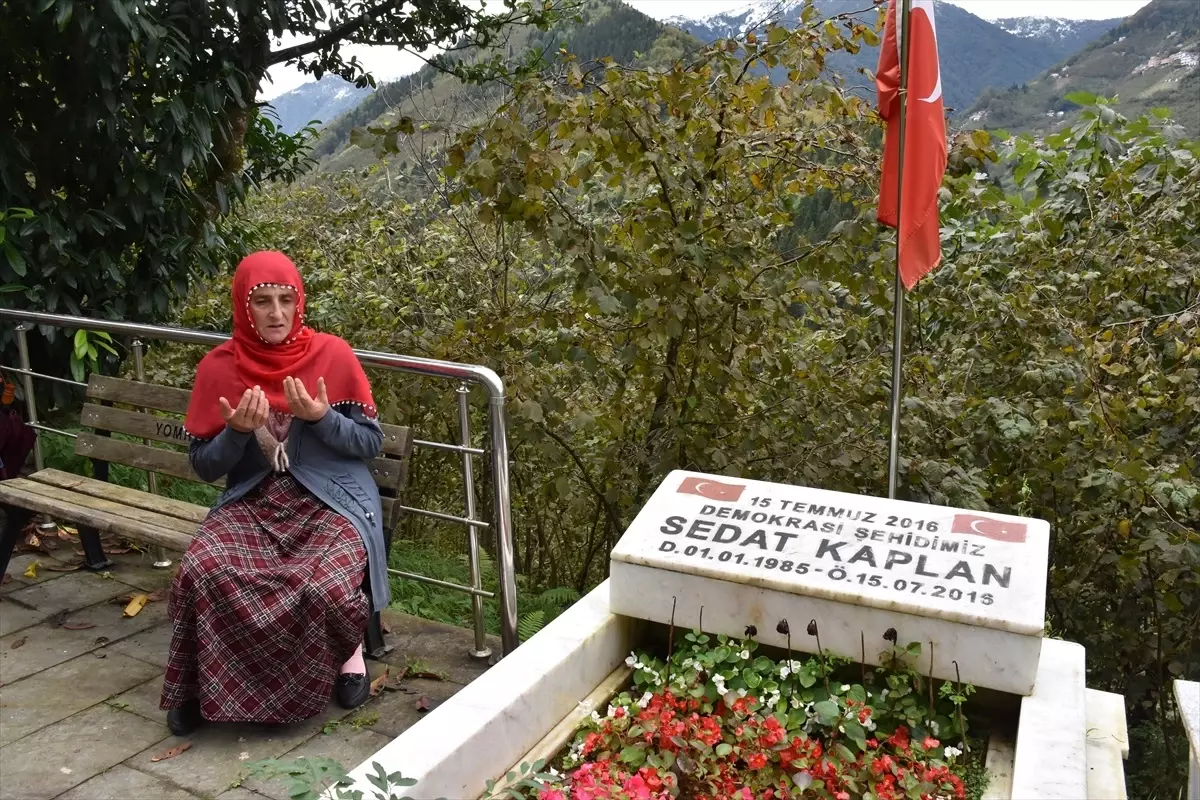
(353, 689)
(185, 719)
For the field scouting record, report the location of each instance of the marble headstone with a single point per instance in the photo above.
(970, 586)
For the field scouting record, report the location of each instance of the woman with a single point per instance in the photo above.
(268, 605)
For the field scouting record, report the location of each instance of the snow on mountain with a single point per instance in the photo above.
(322, 100)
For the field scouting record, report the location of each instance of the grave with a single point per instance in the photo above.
(972, 584)
(754, 553)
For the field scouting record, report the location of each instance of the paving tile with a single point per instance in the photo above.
(150, 646)
(239, 794)
(18, 564)
(142, 700)
(214, 762)
(14, 617)
(47, 697)
(73, 591)
(126, 784)
(346, 745)
(68, 753)
(398, 711)
(48, 644)
(137, 569)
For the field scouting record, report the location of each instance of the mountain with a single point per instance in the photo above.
(975, 53)
(441, 102)
(1150, 60)
(1064, 35)
(322, 100)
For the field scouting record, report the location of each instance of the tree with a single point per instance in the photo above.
(128, 130)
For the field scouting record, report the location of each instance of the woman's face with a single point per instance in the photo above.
(273, 308)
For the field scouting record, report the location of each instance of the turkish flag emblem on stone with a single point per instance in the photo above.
(999, 529)
(713, 490)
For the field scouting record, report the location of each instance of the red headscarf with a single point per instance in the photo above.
(248, 360)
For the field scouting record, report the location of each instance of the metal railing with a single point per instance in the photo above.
(463, 374)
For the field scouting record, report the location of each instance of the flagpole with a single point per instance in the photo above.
(902, 26)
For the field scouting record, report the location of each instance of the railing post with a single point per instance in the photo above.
(27, 382)
(481, 650)
(160, 553)
(503, 524)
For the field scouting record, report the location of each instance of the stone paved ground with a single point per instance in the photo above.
(79, 716)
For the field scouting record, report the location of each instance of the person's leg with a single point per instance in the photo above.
(356, 665)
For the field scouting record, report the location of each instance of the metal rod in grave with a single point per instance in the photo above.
(160, 553)
(902, 26)
(27, 384)
(481, 650)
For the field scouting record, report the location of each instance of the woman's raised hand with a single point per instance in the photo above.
(303, 405)
(251, 412)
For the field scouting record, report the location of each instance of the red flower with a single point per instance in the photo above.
(930, 743)
(756, 760)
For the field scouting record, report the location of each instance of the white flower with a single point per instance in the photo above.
(741, 692)
(933, 724)
(745, 654)
(795, 701)
(845, 687)
(783, 673)
(645, 699)
(631, 661)
(883, 694)
(952, 752)
(802, 780)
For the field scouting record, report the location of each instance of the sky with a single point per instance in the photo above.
(388, 63)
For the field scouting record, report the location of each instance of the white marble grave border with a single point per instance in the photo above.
(987, 657)
(1065, 734)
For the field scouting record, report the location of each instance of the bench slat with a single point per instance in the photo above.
(132, 513)
(189, 512)
(136, 393)
(134, 423)
(175, 464)
(142, 456)
(81, 510)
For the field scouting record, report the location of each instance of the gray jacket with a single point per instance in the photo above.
(329, 458)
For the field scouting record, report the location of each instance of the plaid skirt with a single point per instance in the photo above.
(266, 607)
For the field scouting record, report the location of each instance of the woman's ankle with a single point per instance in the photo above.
(355, 665)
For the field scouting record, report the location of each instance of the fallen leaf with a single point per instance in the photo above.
(100, 654)
(18, 643)
(433, 676)
(171, 752)
(117, 551)
(59, 618)
(101, 640)
(136, 604)
(158, 595)
(31, 570)
(423, 703)
(378, 684)
(66, 568)
(5, 579)
(79, 552)
(63, 533)
(244, 755)
(385, 627)
(78, 626)
(33, 540)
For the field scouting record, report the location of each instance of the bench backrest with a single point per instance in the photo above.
(156, 413)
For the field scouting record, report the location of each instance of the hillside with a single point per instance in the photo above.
(1151, 60)
(321, 101)
(609, 28)
(975, 53)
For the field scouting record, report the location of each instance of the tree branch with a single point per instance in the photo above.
(333, 35)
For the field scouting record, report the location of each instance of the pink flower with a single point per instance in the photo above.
(551, 794)
(636, 788)
(930, 743)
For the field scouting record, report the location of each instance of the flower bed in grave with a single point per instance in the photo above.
(726, 718)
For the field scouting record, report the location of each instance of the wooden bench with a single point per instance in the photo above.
(153, 414)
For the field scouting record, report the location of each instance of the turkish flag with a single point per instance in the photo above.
(924, 140)
(999, 529)
(713, 490)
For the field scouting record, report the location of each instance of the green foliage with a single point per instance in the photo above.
(129, 132)
(310, 778)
